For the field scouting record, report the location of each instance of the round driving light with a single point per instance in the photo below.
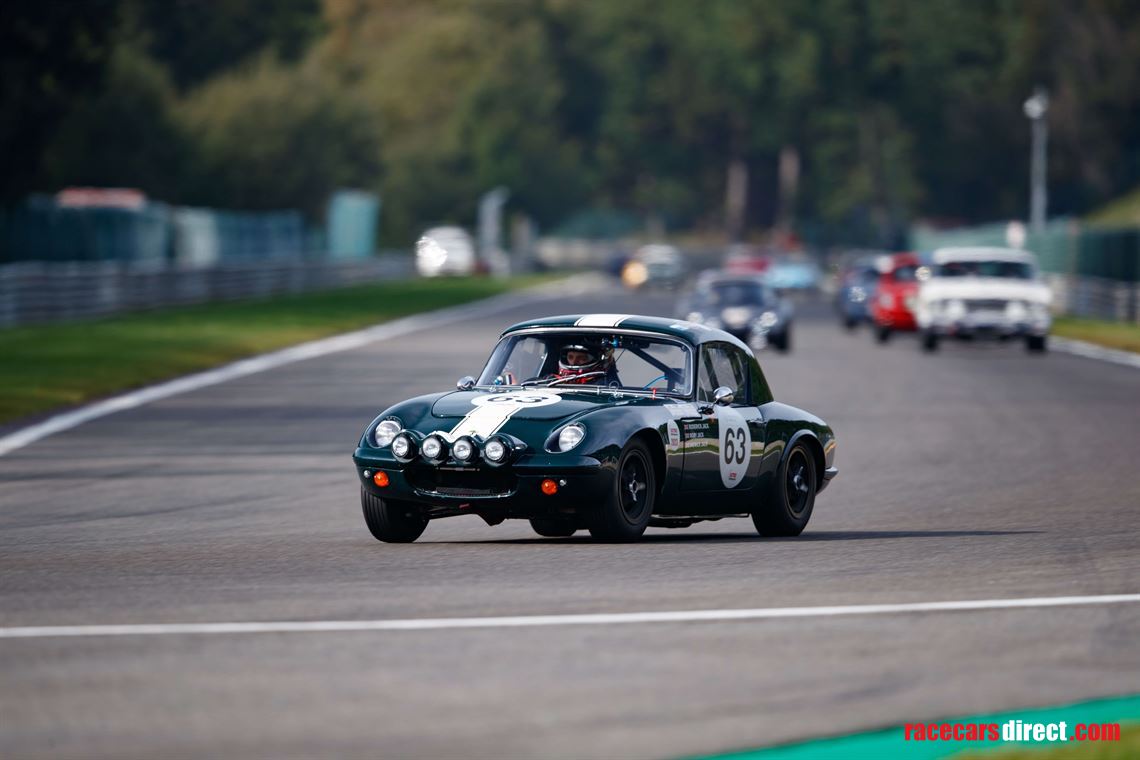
(380, 479)
(549, 487)
(463, 450)
(570, 437)
(385, 432)
(495, 451)
(432, 447)
(402, 446)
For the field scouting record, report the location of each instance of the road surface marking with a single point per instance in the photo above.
(532, 621)
(1093, 351)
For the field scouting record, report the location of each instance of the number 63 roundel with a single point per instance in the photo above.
(735, 446)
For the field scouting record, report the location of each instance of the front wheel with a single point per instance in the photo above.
(882, 333)
(552, 528)
(1035, 344)
(394, 522)
(795, 496)
(624, 515)
(929, 342)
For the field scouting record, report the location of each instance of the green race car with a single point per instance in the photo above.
(605, 422)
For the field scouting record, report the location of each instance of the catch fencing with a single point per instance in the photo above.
(39, 291)
(1092, 271)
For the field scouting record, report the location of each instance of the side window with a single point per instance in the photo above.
(706, 383)
(722, 365)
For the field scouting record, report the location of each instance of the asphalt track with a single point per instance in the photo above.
(978, 473)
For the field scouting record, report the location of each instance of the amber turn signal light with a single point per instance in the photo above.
(380, 478)
(549, 487)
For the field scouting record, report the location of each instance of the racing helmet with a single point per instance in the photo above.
(583, 358)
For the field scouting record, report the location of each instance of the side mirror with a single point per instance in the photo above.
(723, 396)
(465, 383)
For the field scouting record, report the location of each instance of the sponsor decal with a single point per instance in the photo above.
(674, 434)
(492, 411)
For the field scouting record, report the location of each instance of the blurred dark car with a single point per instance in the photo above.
(794, 275)
(857, 283)
(741, 305)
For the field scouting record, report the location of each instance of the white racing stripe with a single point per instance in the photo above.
(532, 621)
(601, 320)
(345, 342)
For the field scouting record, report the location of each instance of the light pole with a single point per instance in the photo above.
(1035, 109)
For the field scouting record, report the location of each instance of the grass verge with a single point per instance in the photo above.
(51, 366)
(1121, 335)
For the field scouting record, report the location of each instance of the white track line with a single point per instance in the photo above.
(1093, 351)
(682, 616)
(300, 352)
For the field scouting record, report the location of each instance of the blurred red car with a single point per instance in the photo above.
(892, 308)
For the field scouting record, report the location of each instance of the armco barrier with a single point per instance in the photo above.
(36, 292)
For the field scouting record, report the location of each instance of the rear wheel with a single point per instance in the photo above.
(1036, 343)
(795, 496)
(783, 341)
(394, 522)
(624, 516)
(552, 528)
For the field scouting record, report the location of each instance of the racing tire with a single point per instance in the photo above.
(1036, 344)
(929, 342)
(783, 343)
(553, 528)
(882, 333)
(624, 515)
(393, 522)
(789, 512)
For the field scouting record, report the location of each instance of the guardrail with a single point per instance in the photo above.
(1095, 297)
(36, 292)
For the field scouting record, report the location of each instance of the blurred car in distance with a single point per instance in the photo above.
(983, 292)
(654, 265)
(445, 251)
(746, 259)
(857, 281)
(741, 305)
(793, 275)
(896, 294)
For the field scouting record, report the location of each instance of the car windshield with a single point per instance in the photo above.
(906, 273)
(1013, 269)
(725, 294)
(570, 359)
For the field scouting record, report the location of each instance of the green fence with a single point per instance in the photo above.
(1064, 247)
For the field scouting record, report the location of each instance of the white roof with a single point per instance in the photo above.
(980, 253)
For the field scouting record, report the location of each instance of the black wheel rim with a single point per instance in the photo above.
(633, 486)
(797, 482)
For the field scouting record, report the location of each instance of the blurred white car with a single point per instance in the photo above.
(654, 265)
(444, 251)
(983, 292)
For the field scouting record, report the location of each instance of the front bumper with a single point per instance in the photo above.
(971, 326)
(496, 493)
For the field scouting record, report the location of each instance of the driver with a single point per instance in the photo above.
(593, 363)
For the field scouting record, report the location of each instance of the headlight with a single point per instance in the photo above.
(768, 319)
(434, 448)
(495, 451)
(1015, 311)
(887, 301)
(857, 295)
(463, 449)
(571, 436)
(385, 432)
(955, 309)
(695, 316)
(404, 447)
